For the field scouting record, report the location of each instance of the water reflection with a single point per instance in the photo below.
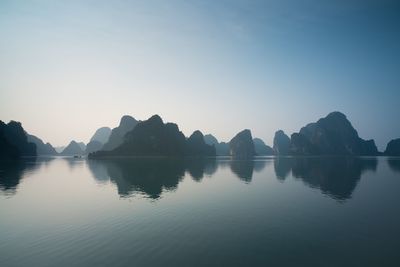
(260, 164)
(282, 167)
(394, 164)
(336, 177)
(197, 168)
(11, 173)
(149, 176)
(74, 162)
(243, 169)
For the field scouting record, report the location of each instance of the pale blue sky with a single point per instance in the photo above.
(70, 67)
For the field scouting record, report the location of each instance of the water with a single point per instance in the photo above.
(277, 212)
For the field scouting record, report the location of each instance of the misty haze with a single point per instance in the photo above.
(199, 133)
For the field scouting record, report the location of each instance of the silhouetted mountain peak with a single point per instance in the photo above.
(337, 115)
(242, 145)
(73, 148)
(281, 143)
(154, 138)
(196, 146)
(156, 119)
(14, 141)
(101, 135)
(126, 120)
(210, 139)
(117, 136)
(332, 135)
(197, 136)
(393, 148)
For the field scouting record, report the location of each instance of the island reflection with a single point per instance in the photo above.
(150, 176)
(12, 172)
(336, 177)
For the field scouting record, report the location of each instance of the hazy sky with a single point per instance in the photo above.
(70, 67)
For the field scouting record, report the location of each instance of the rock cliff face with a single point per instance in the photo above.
(117, 136)
(93, 146)
(221, 148)
(242, 146)
(72, 149)
(393, 148)
(14, 142)
(196, 146)
(101, 135)
(150, 138)
(332, 135)
(281, 143)
(261, 148)
(41, 147)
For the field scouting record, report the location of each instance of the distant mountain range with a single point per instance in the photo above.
(331, 135)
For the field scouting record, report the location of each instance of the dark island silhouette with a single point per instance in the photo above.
(331, 135)
(393, 148)
(242, 145)
(14, 142)
(221, 148)
(117, 135)
(153, 137)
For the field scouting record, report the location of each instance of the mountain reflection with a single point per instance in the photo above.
(243, 169)
(394, 164)
(149, 176)
(11, 173)
(199, 167)
(336, 177)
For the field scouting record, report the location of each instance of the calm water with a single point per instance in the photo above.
(277, 212)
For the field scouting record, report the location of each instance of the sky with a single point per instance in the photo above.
(70, 67)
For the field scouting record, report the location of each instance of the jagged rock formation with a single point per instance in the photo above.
(261, 148)
(332, 135)
(72, 149)
(221, 149)
(209, 139)
(150, 138)
(196, 146)
(117, 136)
(101, 135)
(281, 143)
(93, 146)
(154, 138)
(14, 142)
(7, 150)
(41, 147)
(242, 146)
(393, 148)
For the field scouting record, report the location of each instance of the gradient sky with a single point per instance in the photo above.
(70, 67)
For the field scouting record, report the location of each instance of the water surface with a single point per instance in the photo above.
(153, 212)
